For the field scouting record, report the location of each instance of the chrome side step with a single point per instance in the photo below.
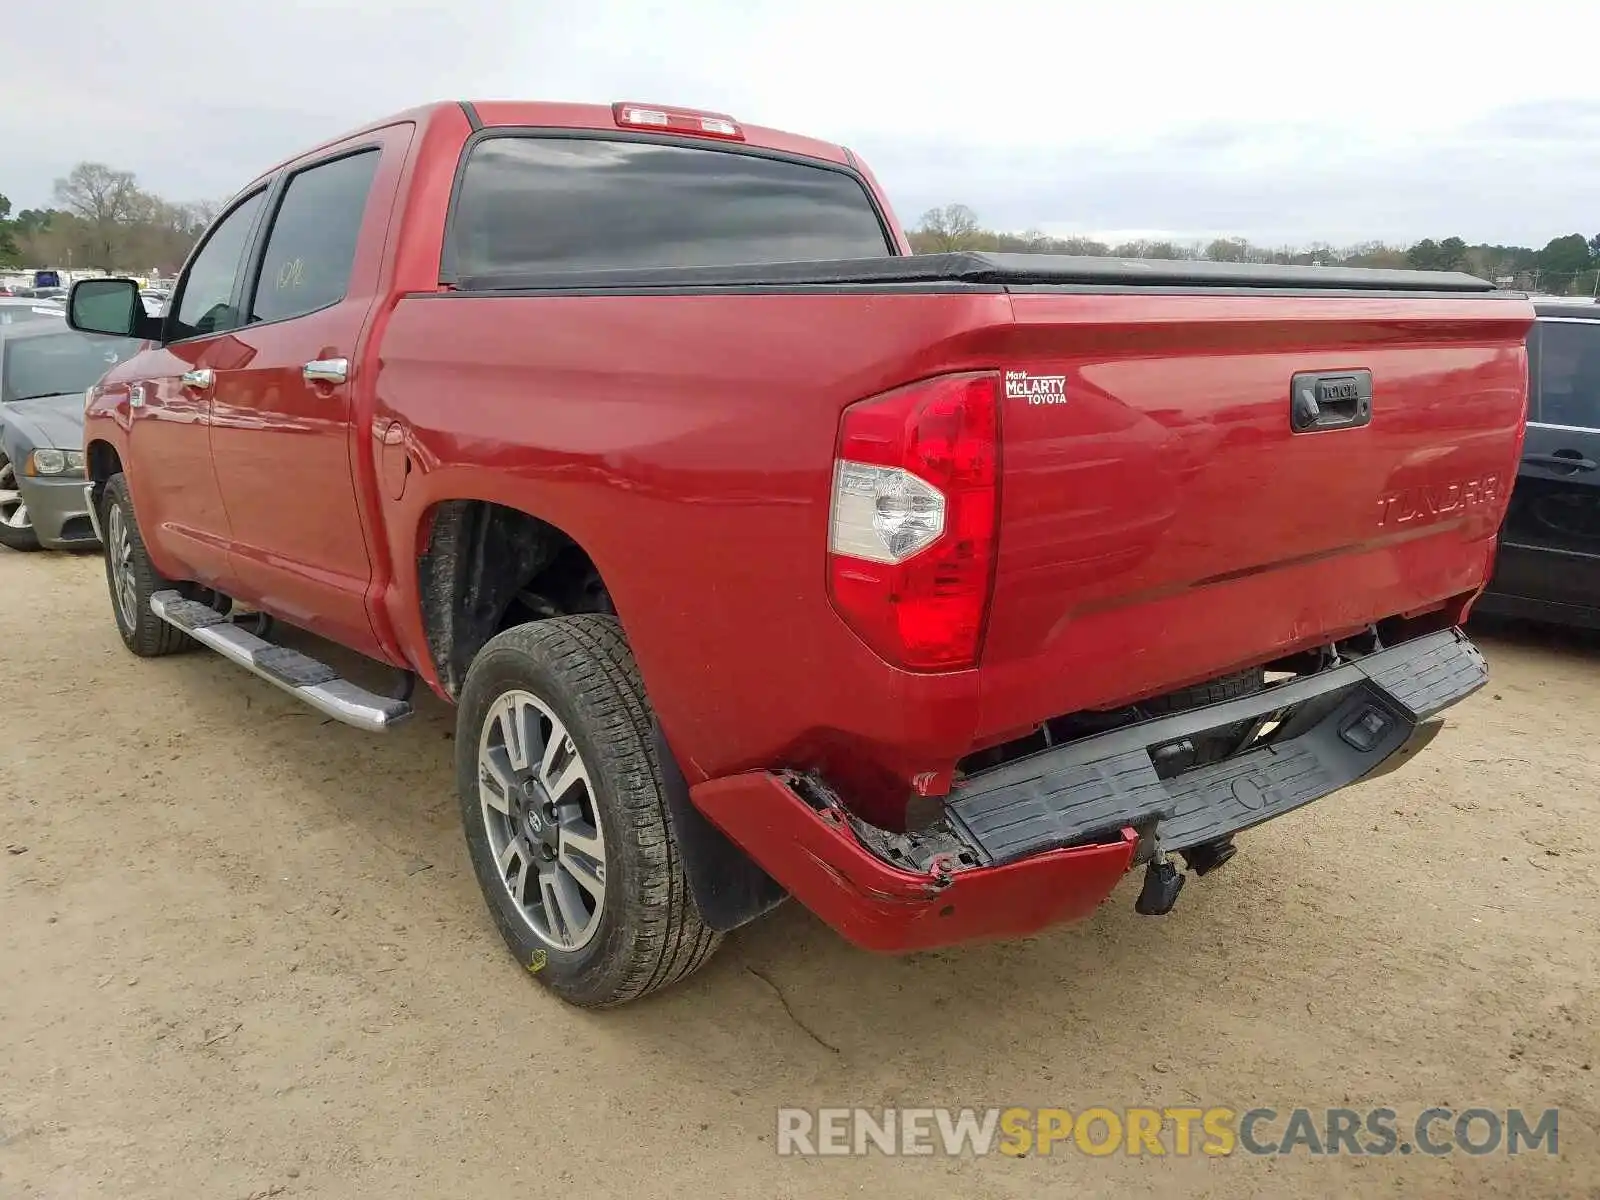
(302, 676)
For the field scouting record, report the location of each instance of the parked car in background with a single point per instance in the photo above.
(14, 310)
(1548, 564)
(45, 368)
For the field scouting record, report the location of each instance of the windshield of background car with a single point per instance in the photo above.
(15, 314)
(58, 363)
(530, 204)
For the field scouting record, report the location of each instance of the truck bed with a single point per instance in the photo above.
(1162, 526)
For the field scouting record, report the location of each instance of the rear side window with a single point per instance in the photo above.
(1569, 373)
(574, 204)
(312, 245)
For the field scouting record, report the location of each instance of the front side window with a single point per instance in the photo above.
(538, 204)
(59, 364)
(1569, 373)
(207, 291)
(312, 245)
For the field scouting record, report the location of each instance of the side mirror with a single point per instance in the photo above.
(110, 306)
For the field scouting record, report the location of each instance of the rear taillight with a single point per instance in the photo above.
(911, 537)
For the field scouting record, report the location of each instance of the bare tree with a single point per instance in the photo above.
(108, 203)
(953, 227)
(1084, 247)
(203, 212)
(1229, 250)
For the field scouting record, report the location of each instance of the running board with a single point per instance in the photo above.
(302, 676)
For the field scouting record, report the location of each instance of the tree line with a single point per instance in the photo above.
(1567, 265)
(101, 218)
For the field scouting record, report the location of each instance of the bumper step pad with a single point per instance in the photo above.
(1337, 726)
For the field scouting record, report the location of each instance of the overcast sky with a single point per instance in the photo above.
(1281, 122)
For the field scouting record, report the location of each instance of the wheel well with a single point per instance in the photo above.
(103, 462)
(486, 568)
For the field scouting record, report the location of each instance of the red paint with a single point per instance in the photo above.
(881, 907)
(1157, 527)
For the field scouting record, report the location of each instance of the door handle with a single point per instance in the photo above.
(1569, 460)
(326, 370)
(200, 379)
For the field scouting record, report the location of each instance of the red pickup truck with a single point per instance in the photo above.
(761, 557)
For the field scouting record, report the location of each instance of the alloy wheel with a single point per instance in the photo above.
(544, 830)
(119, 552)
(13, 510)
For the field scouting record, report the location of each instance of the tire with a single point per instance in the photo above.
(575, 675)
(146, 634)
(22, 535)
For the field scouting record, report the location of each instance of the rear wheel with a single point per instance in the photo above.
(16, 526)
(133, 578)
(565, 815)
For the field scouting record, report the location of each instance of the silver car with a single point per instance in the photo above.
(45, 368)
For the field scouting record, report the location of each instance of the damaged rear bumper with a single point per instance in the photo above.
(1045, 838)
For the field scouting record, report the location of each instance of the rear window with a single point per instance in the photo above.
(1569, 373)
(576, 204)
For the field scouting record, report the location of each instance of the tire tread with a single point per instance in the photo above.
(151, 636)
(591, 656)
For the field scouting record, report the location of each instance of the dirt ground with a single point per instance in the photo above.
(242, 955)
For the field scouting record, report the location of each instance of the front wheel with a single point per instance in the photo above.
(133, 578)
(16, 526)
(565, 814)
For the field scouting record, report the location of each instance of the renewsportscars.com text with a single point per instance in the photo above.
(1180, 1132)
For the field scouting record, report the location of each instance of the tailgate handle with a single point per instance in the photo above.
(1322, 400)
(1561, 460)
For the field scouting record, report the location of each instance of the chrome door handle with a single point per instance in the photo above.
(326, 370)
(200, 380)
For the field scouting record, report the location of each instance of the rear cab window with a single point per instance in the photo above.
(535, 204)
(1568, 370)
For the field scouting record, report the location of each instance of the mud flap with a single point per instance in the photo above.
(729, 888)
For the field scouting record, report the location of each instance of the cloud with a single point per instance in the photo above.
(1282, 124)
(1522, 174)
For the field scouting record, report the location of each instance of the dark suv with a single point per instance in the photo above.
(1548, 567)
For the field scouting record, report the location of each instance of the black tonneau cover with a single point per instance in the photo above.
(990, 272)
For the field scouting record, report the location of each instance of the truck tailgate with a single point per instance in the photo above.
(1163, 522)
